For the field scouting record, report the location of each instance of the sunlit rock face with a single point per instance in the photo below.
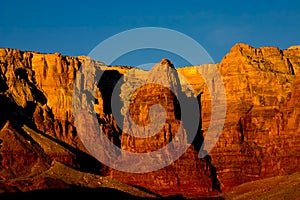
(260, 137)
(189, 175)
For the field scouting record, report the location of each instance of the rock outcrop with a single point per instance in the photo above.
(189, 175)
(260, 137)
(39, 146)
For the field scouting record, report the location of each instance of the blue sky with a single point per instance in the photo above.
(76, 27)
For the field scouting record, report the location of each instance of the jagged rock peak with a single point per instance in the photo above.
(240, 46)
(166, 62)
(164, 73)
(164, 68)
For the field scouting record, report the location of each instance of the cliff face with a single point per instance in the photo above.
(41, 84)
(189, 175)
(156, 90)
(32, 103)
(260, 137)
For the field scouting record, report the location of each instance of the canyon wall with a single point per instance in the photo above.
(260, 137)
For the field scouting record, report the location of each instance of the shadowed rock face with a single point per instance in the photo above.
(189, 175)
(158, 87)
(260, 137)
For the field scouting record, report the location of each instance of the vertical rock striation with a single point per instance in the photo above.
(260, 137)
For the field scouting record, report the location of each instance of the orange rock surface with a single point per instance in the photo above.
(260, 137)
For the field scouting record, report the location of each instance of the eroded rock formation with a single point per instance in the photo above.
(260, 137)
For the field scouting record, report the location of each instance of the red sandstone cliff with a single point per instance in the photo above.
(260, 137)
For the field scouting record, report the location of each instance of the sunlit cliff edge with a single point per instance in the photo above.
(39, 145)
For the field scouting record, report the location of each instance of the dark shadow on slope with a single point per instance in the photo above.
(198, 141)
(191, 106)
(22, 74)
(107, 85)
(19, 117)
(5, 105)
(86, 162)
(3, 85)
(76, 193)
(86, 193)
(145, 190)
(216, 185)
(70, 193)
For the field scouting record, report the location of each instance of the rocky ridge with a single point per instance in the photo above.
(260, 137)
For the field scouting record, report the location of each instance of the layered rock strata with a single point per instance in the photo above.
(260, 137)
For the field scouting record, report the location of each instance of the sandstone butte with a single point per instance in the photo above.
(40, 147)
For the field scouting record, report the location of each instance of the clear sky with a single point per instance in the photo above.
(76, 27)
